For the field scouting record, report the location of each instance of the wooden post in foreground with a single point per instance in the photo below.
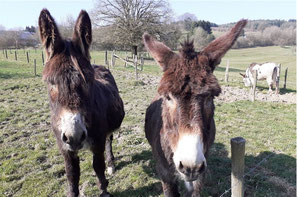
(34, 67)
(237, 157)
(255, 76)
(227, 72)
(285, 82)
(15, 56)
(6, 54)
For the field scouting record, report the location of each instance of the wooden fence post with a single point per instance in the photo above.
(125, 65)
(6, 54)
(237, 157)
(106, 61)
(135, 64)
(277, 79)
(141, 62)
(42, 57)
(255, 76)
(111, 58)
(34, 67)
(285, 82)
(15, 56)
(28, 60)
(227, 72)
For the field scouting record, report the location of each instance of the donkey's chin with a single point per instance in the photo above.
(73, 148)
(188, 178)
(77, 147)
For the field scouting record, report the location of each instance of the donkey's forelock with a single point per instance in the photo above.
(187, 50)
(72, 77)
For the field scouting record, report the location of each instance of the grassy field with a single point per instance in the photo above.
(239, 60)
(30, 164)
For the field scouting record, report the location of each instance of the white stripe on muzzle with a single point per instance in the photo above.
(189, 151)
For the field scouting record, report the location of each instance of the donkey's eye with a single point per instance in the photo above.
(168, 98)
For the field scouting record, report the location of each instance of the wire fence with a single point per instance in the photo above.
(273, 153)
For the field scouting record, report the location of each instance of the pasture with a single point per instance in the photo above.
(31, 165)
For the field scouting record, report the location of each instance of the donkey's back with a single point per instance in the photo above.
(108, 98)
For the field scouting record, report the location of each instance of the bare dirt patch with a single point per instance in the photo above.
(232, 94)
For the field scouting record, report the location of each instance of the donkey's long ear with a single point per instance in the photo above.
(82, 36)
(218, 48)
(49, 34)
(160, 52)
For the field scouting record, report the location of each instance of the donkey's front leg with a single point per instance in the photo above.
(72, 172)
(109, 155)
(99, 167)
(170, 189)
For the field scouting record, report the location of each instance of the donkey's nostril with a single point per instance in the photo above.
(181, 166)
(83, 137)
(64, 138)
(202, 168)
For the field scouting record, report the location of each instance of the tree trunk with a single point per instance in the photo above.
(134, 50)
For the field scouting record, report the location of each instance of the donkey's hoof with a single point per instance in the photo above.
(106, 194)
(111, 170)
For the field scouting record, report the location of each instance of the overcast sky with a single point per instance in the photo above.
(21, 13)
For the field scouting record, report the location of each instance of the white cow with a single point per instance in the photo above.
(269, 71)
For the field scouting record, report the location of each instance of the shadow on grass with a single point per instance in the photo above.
(154, 189)
(143, 156)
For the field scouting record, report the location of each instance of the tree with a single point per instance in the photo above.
(202, 38)
(66, 26)
(186, 16)
(131, 18)
(31, 29)
(206, 25)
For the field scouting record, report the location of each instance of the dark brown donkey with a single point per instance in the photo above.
(179, 123)
(84, 100)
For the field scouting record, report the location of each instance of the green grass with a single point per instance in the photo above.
(240, 59)
(31, 165)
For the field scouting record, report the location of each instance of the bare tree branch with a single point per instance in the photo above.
(131, 18)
